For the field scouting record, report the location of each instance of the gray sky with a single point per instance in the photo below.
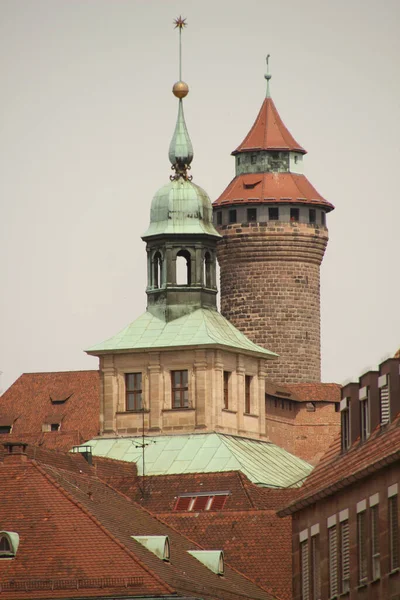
(87, 117)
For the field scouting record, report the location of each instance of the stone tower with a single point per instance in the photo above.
(274, 235)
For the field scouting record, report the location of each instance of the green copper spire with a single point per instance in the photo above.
(180, 148)
(268, 77)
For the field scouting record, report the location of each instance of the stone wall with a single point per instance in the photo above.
(305, 429)
(270, 290)
(206, 410)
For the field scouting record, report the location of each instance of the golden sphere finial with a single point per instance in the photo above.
(180, 89)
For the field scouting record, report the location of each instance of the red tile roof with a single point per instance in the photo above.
(337, 470)
(83, 528)
(305, 392)
(271, 188)
(257, 542)
(70, 397)
(162, 491)
(268, 132)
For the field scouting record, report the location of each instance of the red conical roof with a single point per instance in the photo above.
(271, 188)
(268, 132)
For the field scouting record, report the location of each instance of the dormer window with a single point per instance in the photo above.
(9, 542)
(384, 399)
(364, 414)
(54, 426)
(5, 429)
(345, 428)
(203, 501)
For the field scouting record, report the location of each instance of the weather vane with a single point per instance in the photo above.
(180, 23)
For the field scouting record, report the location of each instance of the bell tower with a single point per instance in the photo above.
(181, 230)
(274, 235)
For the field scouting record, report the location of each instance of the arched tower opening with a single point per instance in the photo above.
(183, 267)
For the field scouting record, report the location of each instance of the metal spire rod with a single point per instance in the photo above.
(268, 77)
(180, 23)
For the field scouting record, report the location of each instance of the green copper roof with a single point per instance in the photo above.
(181, 149)
(181, 207)
(198, 328)
(262, 462)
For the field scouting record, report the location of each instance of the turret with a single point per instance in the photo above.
(274, 235)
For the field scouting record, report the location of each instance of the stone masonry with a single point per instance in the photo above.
(270, 290)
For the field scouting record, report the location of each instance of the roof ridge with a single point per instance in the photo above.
(244, 487)
(98, 523)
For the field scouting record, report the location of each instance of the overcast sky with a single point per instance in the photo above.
(87, 117)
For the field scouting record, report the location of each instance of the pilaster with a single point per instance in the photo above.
(110, 394)
(200, 374)
(240, 375)
(155, 390)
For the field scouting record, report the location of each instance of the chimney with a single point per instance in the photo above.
(15, 452)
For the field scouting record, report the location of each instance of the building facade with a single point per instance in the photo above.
(345, 535)
(274, 234)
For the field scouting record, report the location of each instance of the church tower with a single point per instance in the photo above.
(274, 235)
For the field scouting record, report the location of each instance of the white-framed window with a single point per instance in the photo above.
(315, 564)
(375, 551)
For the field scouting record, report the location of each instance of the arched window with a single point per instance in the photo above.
(5, 545)
(157, 270)
(207, 272)
(183, 268)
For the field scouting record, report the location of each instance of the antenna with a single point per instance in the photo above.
(143, 445)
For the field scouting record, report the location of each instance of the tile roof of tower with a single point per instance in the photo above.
(269, 132)
(76, 541)
(271, 188)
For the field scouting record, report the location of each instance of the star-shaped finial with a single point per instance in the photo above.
(179, 22)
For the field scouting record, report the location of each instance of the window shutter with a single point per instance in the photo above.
(333, 579)
(376, 559)
(305, 584)
(345, 556)
(394, 532)
(315, 573)
(362, 553)
(385, 405)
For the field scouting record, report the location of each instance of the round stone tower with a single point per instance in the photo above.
(274, 235)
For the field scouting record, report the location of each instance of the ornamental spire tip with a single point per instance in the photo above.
(180, 149)
(268, 77)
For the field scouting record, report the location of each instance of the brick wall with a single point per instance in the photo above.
(270, 290)
(303, 432)
(388, 584)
